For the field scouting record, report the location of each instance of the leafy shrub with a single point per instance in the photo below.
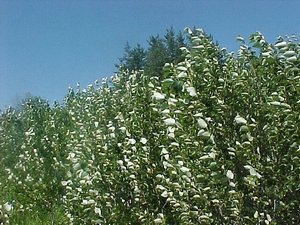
(216, 141)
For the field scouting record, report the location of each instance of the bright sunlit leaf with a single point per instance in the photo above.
(229, 174)
(158, 96)
(170, 122)
(281, 44)
(191, 91)
(240, 120)
(202, 123)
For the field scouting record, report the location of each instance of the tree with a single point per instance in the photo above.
(173, 44)
(156, 56)
(19, 101)
(133, 59)
(223, 148)
(160, 51)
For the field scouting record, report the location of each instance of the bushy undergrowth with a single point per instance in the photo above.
(215, 141)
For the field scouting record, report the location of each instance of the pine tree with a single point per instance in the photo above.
(160, 51)
(133, 59)
(173, 44)
(156, 56)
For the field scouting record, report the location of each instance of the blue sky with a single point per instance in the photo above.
(47, 46)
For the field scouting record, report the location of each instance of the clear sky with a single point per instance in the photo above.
(47, 46)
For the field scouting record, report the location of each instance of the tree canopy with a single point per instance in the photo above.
(212, 138)
(160, 51)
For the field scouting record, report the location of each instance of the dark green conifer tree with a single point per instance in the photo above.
(156, 56)
(173, 43)
(133, 59)
(160, 51)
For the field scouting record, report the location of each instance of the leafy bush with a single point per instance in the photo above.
(216, 141)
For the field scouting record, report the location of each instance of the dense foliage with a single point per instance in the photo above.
(152, 60)
(213, 141)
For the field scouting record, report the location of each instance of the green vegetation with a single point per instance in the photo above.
(152, 60)
(213, 139)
